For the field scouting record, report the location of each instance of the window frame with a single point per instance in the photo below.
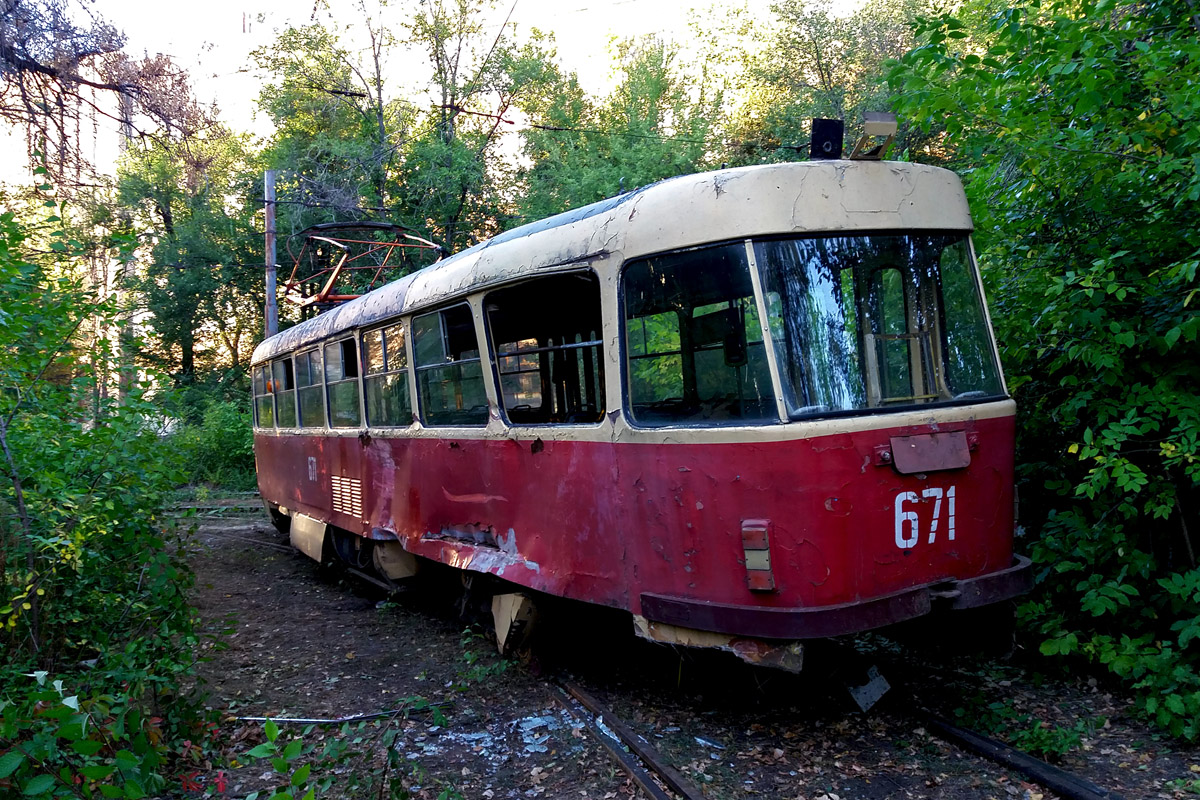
(599, 367)
(417, 368)
(313, 350)
(408, 370)
(288, 362)
(265, 370)
(757, 302)
(927, 347)
(340, 341)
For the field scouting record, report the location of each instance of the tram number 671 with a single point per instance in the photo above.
(908, 520)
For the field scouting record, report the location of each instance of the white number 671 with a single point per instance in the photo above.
(908, 523)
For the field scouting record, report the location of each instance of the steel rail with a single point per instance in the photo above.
(628, 762)
(669, 775)
(1057, 780)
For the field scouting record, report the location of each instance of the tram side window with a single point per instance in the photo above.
(285, 393)
(264, 403)
(341, 384)
(310, 394)
(694, 344)
(449, 372)
(386, 381)
(546, 343)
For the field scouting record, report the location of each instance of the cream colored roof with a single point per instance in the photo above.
(771, 199)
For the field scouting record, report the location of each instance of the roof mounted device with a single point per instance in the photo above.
(826, 141)
(876, 125)
(332, 252)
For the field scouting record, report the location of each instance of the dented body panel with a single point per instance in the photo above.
(609, 521)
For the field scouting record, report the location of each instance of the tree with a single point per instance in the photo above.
(456, 182)
(336, 135)
(59, 64)
(1076, 124)
(200, 286)
(655, 124)
(814, 63)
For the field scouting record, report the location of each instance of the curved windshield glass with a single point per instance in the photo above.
(882, 320)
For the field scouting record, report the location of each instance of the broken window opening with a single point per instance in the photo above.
(547, 348)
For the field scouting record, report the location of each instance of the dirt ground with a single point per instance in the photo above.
(303, 644)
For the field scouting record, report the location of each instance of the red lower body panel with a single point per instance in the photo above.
(609, 522)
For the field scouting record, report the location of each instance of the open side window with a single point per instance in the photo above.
(547, 348)
(385, 360)
(341, 384)
(449, 372)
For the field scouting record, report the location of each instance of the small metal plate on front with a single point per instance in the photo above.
(930, 452)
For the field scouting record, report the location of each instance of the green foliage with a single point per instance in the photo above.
(96, 745)
(1077, 124)
(89, 589)
(655, 124)
(480, 660)
(333, 126)
(1025, 731)
(220, 449)
(201, 289)
(814, 62)
(283, 754)
(346, 762)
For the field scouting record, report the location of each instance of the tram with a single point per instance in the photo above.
(748, 407)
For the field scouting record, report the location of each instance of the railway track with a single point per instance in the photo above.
(647, 737)
(660, 780)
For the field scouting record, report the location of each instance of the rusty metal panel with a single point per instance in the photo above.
(995, 586)
(930, 452)
(613, 522)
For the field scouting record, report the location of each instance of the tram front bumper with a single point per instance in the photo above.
(838, 620)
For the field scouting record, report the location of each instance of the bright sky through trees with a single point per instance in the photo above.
(214, 38)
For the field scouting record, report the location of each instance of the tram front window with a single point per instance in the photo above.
(868, 321)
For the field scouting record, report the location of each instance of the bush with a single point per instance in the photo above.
(220, 449)
(1076, 124)
(92, 590)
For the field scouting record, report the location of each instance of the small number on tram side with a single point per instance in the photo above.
(908, 520)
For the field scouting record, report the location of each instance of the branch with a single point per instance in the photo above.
(9, 55)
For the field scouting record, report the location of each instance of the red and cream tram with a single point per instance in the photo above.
(749, 407)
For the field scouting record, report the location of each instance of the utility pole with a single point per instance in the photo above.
(126, 373)
(272, 310)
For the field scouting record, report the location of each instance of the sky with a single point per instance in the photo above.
(214, 38)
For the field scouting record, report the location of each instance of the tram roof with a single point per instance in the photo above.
(770, 199)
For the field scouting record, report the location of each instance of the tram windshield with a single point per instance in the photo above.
(882, 320)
